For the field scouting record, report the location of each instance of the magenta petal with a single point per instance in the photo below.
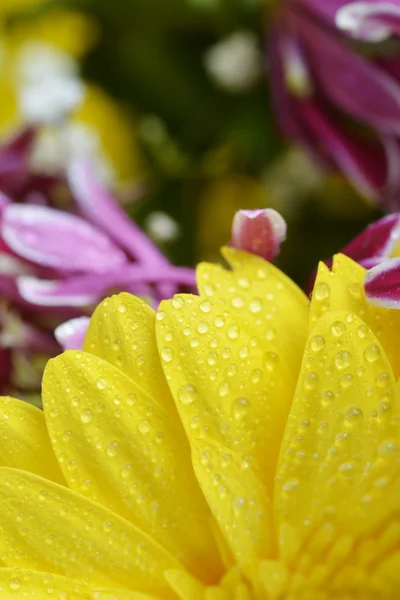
(85, 290)
(58, 240)
(370, 167)
(260, 232)
(70, 335)
(351, 82)
(370, 20)
(97, 206)
(382, 284)
(376, 241)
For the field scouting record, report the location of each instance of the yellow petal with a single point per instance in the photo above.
(21, 584)
(48, 527)
(117, 446)
(338, 488)
(122, 595)
(267, 295)
(231, 386)
(342, 289)
(122, 332)
(25, 443)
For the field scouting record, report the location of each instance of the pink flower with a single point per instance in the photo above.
(336, 87)
(57, 264)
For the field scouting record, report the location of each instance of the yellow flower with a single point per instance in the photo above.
(235, 446)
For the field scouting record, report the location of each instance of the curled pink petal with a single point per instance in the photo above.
(382, 284)
(70, 335)
(377, 241)
(85, 290)
(369, 20)
(260, 232)
(97, 206)
(56, 239)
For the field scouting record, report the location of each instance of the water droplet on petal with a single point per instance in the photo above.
(187, 393)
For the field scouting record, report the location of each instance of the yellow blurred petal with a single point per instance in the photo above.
(122, 595)
(342, 289)
(231, 385)
(273, 301)
(25, 442)
(184, 585)
(337, 486)
(117, 132)
(20, 584)
(122, 332)
(117, 446)
(48, 527)
(15, 6)
(72, 32)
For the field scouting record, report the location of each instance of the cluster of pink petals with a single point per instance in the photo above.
(337, 89)
(57, 264)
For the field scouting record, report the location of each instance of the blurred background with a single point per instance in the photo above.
(176, 108)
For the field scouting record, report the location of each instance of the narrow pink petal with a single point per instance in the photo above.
(97, 205)
(370, 167)
(260, 232)
(376, 241)
(85, 290)
(382, 284)
(56, 239)
(70, 335)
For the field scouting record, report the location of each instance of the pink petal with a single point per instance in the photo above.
(373, 169)
(70, 335)
(376, 241)
(260, 232)
(85, 290)
(56, 239)
(14, 159)
(382, 284)
(98, 206)
(350, 81)
(370, 20)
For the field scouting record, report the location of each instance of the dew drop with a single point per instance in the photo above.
(372, 353)
(346, 381)
(167, 354)
(271, 361)
(322, 291)
(205, 306)
(338, 328)
(112, 449)
(187, 393)
(233, 332)
(223, 388)
(317, 343)
(178, 302)
(219, 322)
(86, 415)
(256, 305)
(102, 384)
(122, 308)
(144, 426)
(343, 360)
(352, 414)
(240, 408)
(311, 381)
(202, 328)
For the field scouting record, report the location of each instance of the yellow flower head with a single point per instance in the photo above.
(234, 446)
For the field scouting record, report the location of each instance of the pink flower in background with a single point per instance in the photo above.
(336, 87)
(57, 264)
